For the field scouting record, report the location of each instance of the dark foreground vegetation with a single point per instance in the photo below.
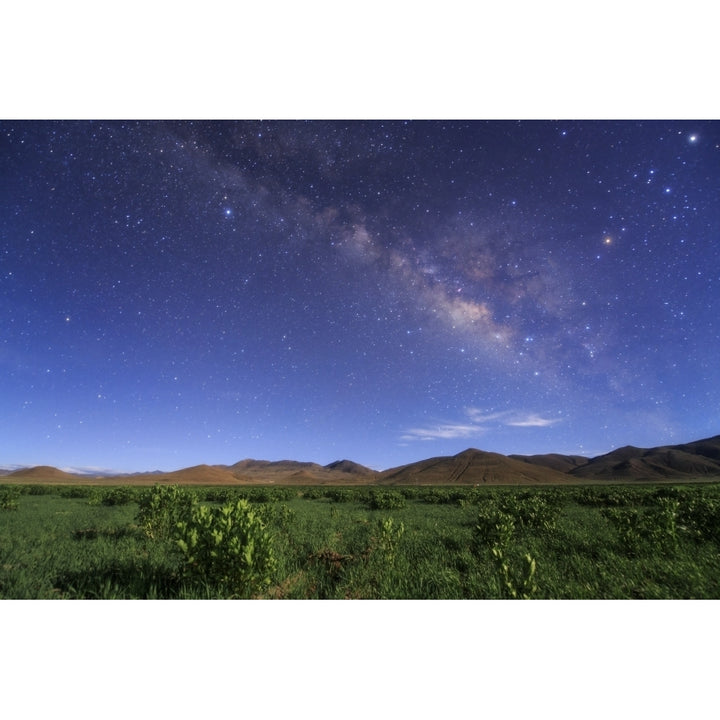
(332, 542)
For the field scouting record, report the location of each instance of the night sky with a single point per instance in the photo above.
(175, 293)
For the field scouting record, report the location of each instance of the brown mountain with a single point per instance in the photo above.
(42, 472)
(694, 460)
(472, 467)
(196, 475)
(291, 472)
(700, 459)
(350, 467)
(561, 463)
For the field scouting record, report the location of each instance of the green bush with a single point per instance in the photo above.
(226, 547)
(700, 518)
(117, 496)
(268, 494)
(385, 500)
(340, 495)
(9, 498)
(493, 527)
(219, 495)
(160, 509)
(435, 496)
(648, 531)
(74, 491)
(312, 493)
(530, 510)
(494, 530)
(36, 490)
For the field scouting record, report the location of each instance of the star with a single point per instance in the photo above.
(271, 281)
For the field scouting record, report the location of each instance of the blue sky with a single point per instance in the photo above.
(176, 293)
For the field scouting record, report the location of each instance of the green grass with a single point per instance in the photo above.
(586, 542)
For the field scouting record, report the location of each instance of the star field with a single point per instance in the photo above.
(174, 293)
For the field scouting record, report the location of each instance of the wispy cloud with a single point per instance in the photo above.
(480, 423)
(89, 470)
(532, 420)
(447, 431)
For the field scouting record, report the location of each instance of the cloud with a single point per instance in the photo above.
(532, 420)
(480, 423)
(443, 432)
(90, 470)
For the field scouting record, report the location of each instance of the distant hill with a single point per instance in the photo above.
(41, 472)
(699, 459)
(561, 463)
(688, 461)
(301, 473)
(472, 467)
(196, 475)
(350, 467)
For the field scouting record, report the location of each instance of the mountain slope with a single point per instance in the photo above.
(700, 459)
(472, 467)
(561, 463)
(695, 460)
(41, 472)
(349, 467)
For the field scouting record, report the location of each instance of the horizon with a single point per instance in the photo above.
(179, 291)
(86, 470)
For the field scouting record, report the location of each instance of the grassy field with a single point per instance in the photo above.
(431, 542)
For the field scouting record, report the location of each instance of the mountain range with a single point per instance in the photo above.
(690, 461)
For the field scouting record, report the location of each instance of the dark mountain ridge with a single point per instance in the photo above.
(698, 460)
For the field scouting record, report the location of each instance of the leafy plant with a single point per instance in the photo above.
(385, 500)
(515, 584)
(531, 511)
(666, 521)
(9, 498)
(227, 547)
(116, 496)
(388, 538)
(160, 509)
(700, 518)
(495, 529)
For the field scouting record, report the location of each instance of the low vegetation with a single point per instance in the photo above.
(361, 542)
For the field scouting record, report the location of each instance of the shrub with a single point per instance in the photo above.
(75, 491)
(530, 510)
(387, 539)
(226, 547)
(385, 500)
(312, 493)
(339, 495)
(36, 490)
(9, 498)
(493, 527)
(494, 530)
(700, 518)
(517, 585)
(160, 509)
(118, 496)
(435, 496)
(649, 531)
(218, 495)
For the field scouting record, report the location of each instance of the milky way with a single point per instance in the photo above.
(176, 292)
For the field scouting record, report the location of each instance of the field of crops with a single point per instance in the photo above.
(444, 543)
